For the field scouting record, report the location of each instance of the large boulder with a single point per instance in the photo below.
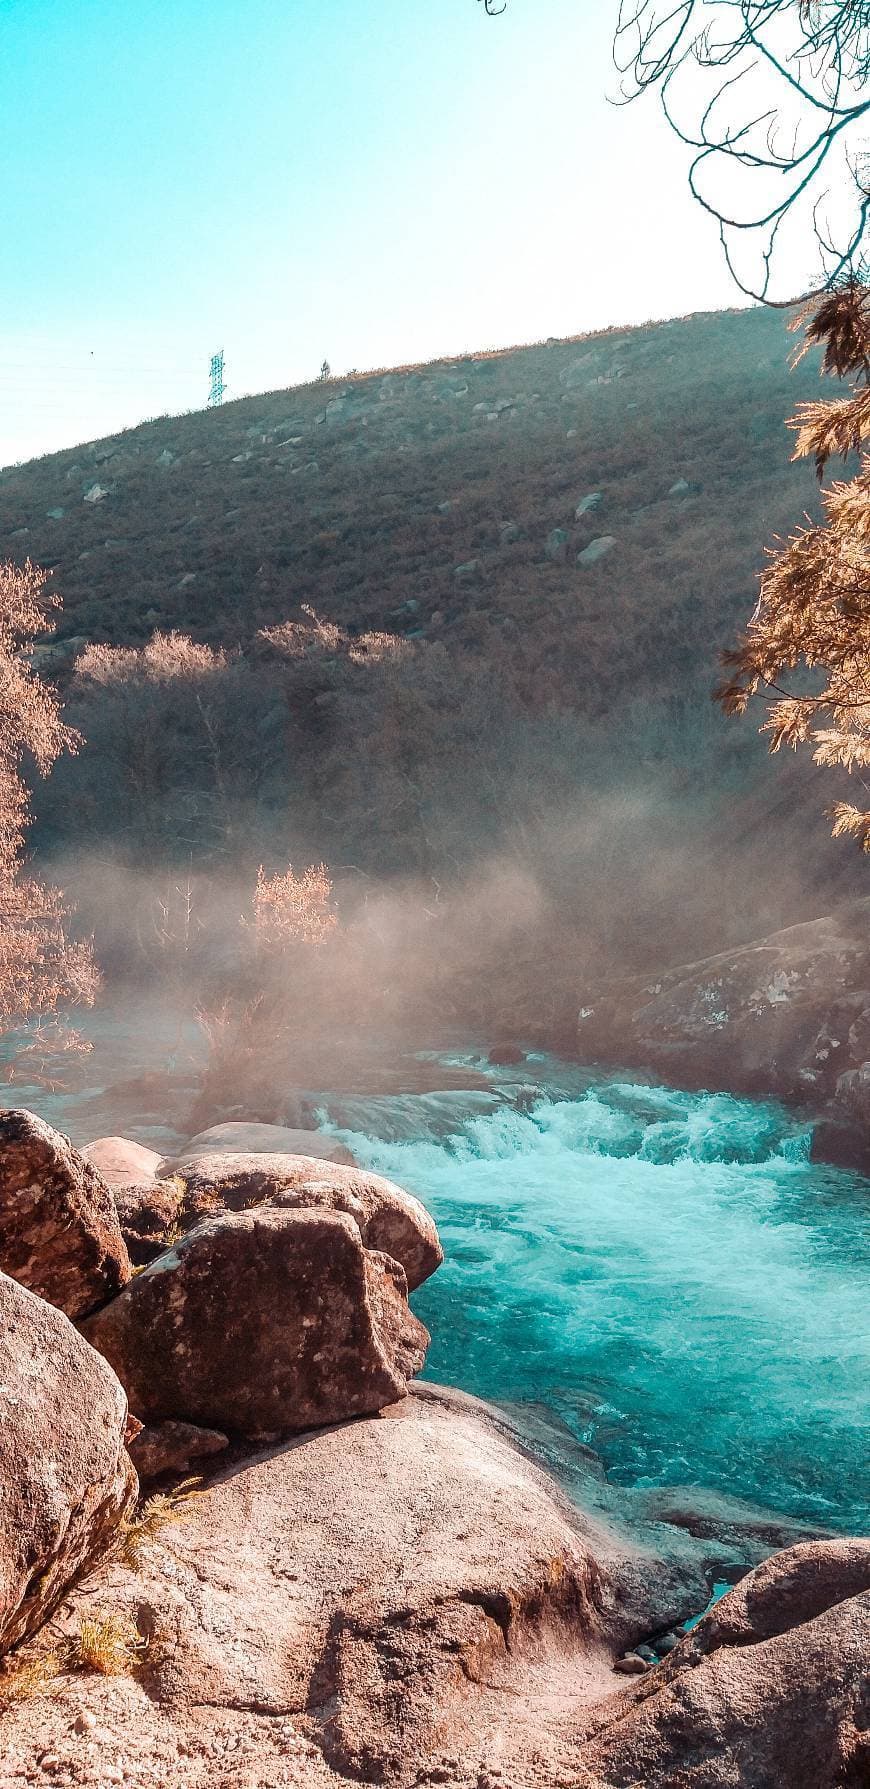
(771, 1688)
(65, 1479)
(261, 1323)
(59, 1231)
(388, 1218)
(788, 1014)
(410, 1599)
(361, 1603)
(240, 1138)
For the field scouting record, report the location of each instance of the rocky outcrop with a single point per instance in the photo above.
(361, 1603)
(787, 1016)
(388, 1218)
(771, 1688)
(410, 1599)
(65, 1480)
(261, 1323)
(59, 1232)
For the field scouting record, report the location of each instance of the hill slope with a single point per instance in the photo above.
(538, 713)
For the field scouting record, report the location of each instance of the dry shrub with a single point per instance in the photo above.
(148, 1526)
(41, 969)
(291, 909)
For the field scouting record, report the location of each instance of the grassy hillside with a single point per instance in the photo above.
(409, 668)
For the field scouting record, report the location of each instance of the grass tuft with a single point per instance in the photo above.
(113, 1646)
(21, 1679)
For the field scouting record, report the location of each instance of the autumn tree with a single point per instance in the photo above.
(771, 97)
(41, 969)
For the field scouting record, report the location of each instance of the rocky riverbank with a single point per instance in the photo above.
(373, 1579)
(785, 1017)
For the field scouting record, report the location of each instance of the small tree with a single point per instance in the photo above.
(325, 370)
(41, 970)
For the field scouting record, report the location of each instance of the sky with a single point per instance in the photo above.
(371, 182)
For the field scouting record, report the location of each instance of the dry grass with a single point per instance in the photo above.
(109, 1644)
(22, 1678)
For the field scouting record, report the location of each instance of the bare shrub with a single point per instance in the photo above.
(41, 968)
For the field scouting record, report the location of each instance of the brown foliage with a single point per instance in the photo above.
(813, 609)
(40, 969)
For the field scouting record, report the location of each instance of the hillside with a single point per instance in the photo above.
(457, 623)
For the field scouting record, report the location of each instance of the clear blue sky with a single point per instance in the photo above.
(371, 181)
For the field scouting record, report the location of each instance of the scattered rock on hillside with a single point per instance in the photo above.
(468, 573)
(261, 1323)
(596, 549)
(59, 1231)
(587, 504)
(65, 1480)
(684, 487)
(556, 545)
(508, 532)
(388, 1218)
(95, 494)
(173, 1447)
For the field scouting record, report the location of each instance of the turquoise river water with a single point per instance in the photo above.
(666, 1271)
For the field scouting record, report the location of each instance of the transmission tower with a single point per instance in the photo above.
(216, 376)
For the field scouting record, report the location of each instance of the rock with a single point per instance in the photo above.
(508, 532)
(261, 1323)
(771, 1687)
(148, 1214)
(591, 501)
(684, 487)
(95, 494)
(394, 1590)
(770, 1017)
(122, 1162)
(631, 1664)
(55, 515)
(596, 549)
(166, 458)
(388, 1219)
(59, 1230)
(556, 545)
(468, 573)
(173, 1447)
(506, 1055)
(843, 1143)
(65, 1479)
(242, 1138)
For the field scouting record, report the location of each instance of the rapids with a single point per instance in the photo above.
(666, 1271)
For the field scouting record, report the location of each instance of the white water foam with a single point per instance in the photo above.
(667, 1271)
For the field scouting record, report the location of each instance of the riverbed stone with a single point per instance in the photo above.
(244, 1138)
(121, 1162)
(263, 1322)
(59, 1230)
